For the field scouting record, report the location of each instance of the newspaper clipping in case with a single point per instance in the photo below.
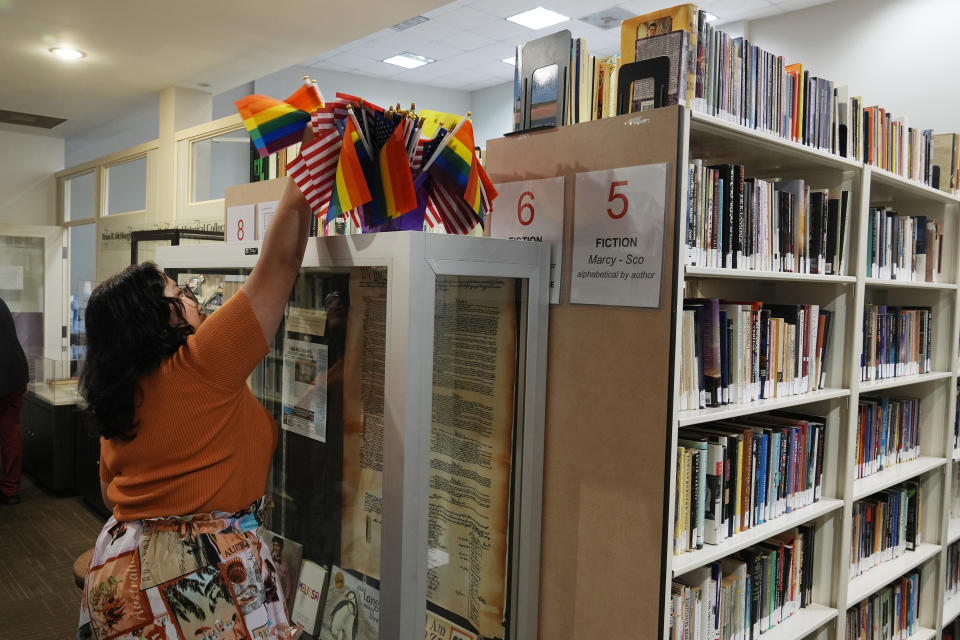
(305, 356)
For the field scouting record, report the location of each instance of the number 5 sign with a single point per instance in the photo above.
(618, 221)
(532, 210)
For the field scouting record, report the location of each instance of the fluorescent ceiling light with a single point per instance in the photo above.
(67, 53)
(408, 60)
(512, 60)
(538, 18)
(711, 17)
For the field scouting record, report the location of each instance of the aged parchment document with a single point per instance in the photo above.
(470, 443)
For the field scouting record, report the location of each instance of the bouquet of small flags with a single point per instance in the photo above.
(386, 169)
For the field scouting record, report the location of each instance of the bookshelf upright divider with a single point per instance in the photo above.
(835, 587)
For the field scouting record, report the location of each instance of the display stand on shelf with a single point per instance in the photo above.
(590, 568)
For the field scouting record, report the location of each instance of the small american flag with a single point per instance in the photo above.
(453, 211)
(297, 170)
(432, 217)
(321, 156)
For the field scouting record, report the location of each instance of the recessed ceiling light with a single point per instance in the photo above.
(67, 53)
(512, 60)
(711, 17)
(408, 60)
(538, 18)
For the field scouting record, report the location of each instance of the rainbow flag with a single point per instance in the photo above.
(456, 163)
(397, 181)
(350, 187)
(271, 123)
(274, 124)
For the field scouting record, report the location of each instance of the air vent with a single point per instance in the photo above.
(412, 22)
(29, 119)
(608, 18)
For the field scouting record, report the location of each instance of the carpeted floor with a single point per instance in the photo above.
(39, 540)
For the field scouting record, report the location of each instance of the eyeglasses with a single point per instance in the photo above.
(185, 292)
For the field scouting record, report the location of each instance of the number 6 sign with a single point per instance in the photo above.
(618, 221)
(532, 210)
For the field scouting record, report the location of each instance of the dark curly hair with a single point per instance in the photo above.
(129, 333)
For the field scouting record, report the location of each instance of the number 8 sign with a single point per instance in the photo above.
(532, 211)
(240, 223)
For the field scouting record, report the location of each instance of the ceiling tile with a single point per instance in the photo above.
(435, 50)
(504, 8)
(347, 61)
(466, 18)
(511, 31)
(467, 41)
(430, 30)
(496, 51)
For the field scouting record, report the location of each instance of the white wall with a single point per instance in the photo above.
(900, 54)
(28, 190)
(377, 90)
(138, 126)
(492, 112)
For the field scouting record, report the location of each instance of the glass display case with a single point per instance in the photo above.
(407, 382)
(48, 418)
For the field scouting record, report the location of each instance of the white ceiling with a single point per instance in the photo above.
(136, 48)
(470, 38)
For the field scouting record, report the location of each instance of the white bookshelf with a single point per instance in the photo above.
(710, 552)
(770, 157)
(863, 487)
(710, 414)
(902, 381)
(883, 574)
(951, 609)
(802, 623)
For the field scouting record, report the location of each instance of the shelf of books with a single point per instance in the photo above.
(902, 381)
(802, 623)
(887, 185)
(879, 576)
(707, 272)
(951, 609)
(879, 282)
(896, 474)
(755, 535)
(725, 412)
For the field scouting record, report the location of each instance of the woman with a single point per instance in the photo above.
(185, 449)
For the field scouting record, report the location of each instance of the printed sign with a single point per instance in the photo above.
(264, 215)
(618, 236)
(240, 224)
(532, 210)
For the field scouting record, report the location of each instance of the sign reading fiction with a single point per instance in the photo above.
(618, 236)
(532, 210)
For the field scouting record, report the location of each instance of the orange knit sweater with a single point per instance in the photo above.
(204, 443)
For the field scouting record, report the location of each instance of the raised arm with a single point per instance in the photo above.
(281, 254)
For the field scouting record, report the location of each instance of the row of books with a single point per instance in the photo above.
(885, 526)
(904, 248)
(897, 341)
(749, 223)
(952, 587)
(888, 433)
(737, 474)
(737, 81)
(954, 490)
(892, 613)
(952, 630)
(956, 420)
(738, 352)
(743, 596)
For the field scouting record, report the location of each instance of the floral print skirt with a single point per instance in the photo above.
(206, 576)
